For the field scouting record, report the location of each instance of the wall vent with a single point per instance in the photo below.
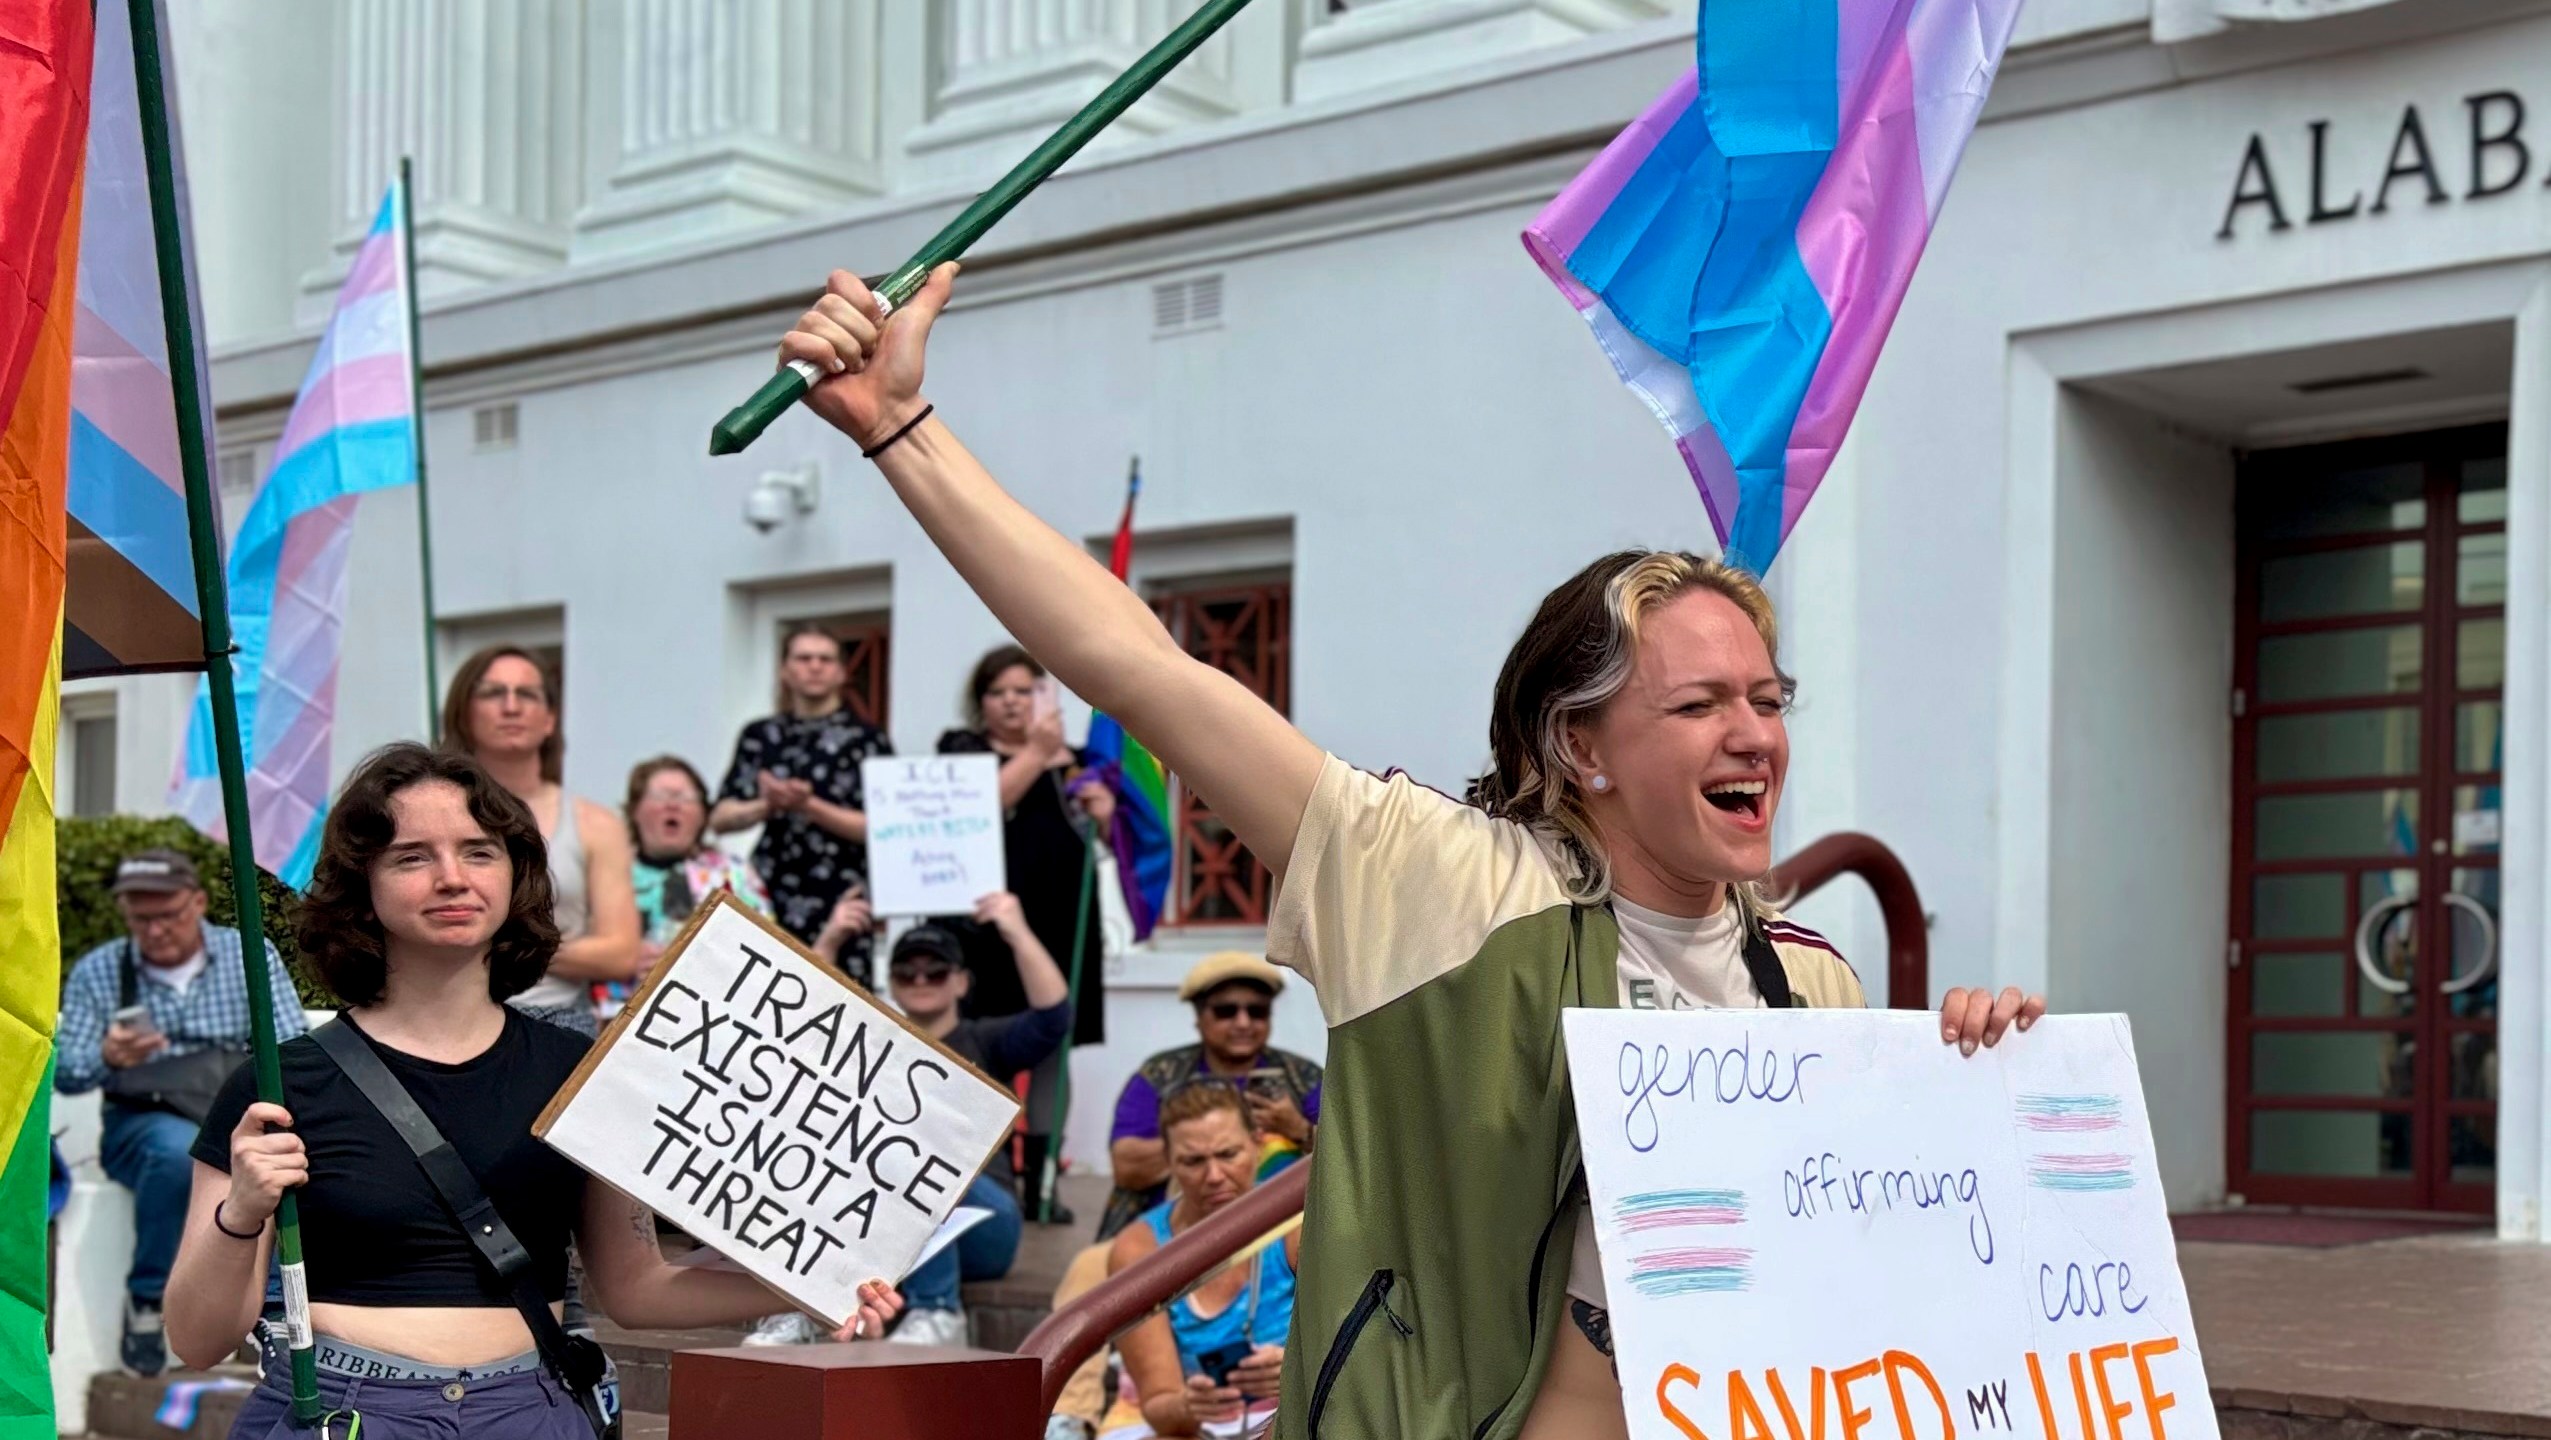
(1182, 307)
(493, 426)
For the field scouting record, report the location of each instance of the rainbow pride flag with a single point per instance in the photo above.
(1740, 251)
(352, 429)
(1140, 838)
(45, 66)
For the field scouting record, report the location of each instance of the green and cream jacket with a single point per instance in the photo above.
(1435, 1243)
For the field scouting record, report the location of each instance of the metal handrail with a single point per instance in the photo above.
(1899, 904)
(1071, 1335)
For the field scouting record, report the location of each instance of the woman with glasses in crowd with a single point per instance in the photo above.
(677, 866)
(502, 711)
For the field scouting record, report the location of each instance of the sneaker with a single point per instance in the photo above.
(931, 1327)
(792, 1328)
(145, 1344)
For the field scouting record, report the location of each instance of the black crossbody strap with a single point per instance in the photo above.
(1771, 978)
(128, 982)
(461, 1194)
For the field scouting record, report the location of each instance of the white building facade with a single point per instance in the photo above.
(2180, 610)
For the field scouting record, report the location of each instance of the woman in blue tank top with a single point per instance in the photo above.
(1215, 1356)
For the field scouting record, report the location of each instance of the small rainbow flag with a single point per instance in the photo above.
(1741, 249)
(1140, 835)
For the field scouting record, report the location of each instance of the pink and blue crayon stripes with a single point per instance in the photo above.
(1741, 249)
(1701, 1270)
(353, 429)
(2069, 1114)
(1675, 1209)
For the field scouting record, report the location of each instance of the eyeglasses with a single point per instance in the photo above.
(159, 919)
(1234, 1009)
(492, 694)
(920, 974)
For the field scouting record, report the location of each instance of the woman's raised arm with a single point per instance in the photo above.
(1096, 635)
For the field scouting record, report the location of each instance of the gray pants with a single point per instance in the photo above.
(511, 1400)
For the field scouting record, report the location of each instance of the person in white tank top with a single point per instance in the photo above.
(502, 711)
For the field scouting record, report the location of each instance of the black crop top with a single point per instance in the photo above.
(373, 1231)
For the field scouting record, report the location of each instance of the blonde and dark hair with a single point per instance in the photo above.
(1575, 656)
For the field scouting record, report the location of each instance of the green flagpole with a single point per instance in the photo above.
(212, 595)
(745, 423)
(1063, 1072)
(416, 413)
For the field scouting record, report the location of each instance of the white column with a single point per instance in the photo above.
(1376, 42)
(487, 97)
(1008, 71)
(737, 113)
(2524, 882)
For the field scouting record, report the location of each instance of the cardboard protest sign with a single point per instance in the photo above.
(934, 832)
(774, 1110)
(1826, 1223)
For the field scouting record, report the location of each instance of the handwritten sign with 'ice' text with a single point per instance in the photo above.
(934, 833)
(1826, 1223)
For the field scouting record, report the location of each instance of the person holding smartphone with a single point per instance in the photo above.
(1210, 1363)
(158, 1018)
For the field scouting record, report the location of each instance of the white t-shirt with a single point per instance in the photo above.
(1667, 962)
(179, 977)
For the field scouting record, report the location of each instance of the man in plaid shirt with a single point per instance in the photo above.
(189, 979)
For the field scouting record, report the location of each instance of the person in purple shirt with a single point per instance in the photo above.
(1234, 995)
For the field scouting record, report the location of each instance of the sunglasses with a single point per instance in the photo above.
(920, 974)
(1234, 1009)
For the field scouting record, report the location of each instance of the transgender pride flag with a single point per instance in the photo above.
(352, 429)
(1741, 249)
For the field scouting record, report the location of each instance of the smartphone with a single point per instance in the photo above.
(1217, 1365)
(136, 1018)
(1049, 698)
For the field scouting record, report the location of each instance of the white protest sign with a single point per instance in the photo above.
(778, 1113)
(934, 832)
(1826, 1223)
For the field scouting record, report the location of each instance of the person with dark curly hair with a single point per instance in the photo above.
(429, 908)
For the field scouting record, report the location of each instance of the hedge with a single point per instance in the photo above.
(87, 850)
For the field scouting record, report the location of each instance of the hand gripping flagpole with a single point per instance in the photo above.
(212, 597)
(745, 423)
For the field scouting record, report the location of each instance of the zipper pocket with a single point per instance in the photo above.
(1376, 1296)
(1532, 1293)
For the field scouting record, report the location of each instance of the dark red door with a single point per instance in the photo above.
(2369, 655)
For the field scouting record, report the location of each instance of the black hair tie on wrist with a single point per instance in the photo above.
(255, 1234)
(882, 446)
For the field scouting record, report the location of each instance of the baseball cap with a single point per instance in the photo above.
(928, 940)
(157, 871)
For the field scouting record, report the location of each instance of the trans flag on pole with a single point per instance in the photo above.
(353, 429)
(1741, 249)
(1144, 856)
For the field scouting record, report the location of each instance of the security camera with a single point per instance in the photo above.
(781, 496)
